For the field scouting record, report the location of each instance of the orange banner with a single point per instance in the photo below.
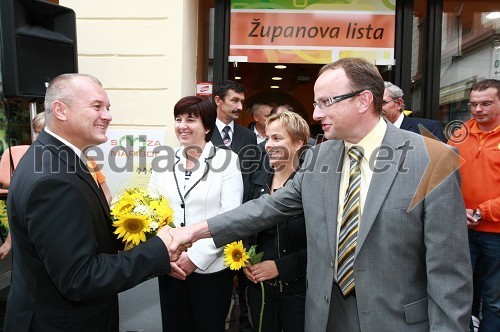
(320, 30)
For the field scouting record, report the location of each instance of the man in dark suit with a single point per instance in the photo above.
(260, 112)
(392, 110)
(67, 268)
(229, 97)
(385, 221)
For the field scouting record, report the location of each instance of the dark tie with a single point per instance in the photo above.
(226, 138)
(349, 225)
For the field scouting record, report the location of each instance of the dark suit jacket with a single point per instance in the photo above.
(66, 271)
(411, 124)
(243, 143)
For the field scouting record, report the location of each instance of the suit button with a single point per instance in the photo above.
(332, 264)
(262, 190)
(326, 299)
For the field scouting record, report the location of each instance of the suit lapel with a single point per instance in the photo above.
(74, 165)
(381, 182)
(236, 143)
(332, 186)
(407, 123)
(216, 137)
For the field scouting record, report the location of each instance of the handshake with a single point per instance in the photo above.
(177, 240)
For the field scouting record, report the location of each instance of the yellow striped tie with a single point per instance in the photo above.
(349, 225)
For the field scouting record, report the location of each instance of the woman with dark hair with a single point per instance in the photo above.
(201, 182)
(283, 266)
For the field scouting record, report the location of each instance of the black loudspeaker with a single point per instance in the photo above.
(38, 43)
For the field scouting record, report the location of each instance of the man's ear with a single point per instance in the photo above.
(365, 99)
(400, 103)
(59, 109)
(217, 100)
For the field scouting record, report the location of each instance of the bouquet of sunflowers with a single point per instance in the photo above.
(138, 216)
(4, 220)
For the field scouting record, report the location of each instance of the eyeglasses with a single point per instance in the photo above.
(484, 104)
(385, 102)
(333, 100)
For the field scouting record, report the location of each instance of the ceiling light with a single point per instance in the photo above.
(493, 15)
(237, 77)
(274, 86)
(280, 66)
(276, 78)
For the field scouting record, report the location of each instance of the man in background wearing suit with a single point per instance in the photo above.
(260, 112)
(229, 97)
(392, 110)
(386, 236)
(67, 270)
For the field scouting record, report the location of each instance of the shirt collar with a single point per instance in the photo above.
(371, 142)
(260, 138)
(78, 152)
(399, 120)
(220, 125)
(474, 129)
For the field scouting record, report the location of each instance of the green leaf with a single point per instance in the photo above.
(256, 258)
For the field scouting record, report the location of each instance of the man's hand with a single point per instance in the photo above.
(186, 264)
(179, 239)
(471, 221)
(175, 249)
(176, 272)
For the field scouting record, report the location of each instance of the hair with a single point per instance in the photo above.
(200, 108)
(294, 124)
(486, 84)
(395, 91)
(257, 107)
(222, 88)
(62, 89)
(362, 75)
(38, 122)
(285, 106)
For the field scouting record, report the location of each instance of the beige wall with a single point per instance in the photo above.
(144, 52)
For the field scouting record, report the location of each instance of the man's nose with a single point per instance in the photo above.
(318, 114)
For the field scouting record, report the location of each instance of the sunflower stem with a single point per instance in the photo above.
(262, 305)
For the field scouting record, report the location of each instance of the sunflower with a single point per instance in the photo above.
(132, 228)
(123, 206)
(235, 255)
(163, 211)
(4, 220)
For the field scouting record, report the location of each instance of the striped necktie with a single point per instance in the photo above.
(349, 225)
(226, 139)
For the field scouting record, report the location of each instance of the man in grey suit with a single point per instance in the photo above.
(408, 240)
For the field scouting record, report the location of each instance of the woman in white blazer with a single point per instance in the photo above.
(200, 181)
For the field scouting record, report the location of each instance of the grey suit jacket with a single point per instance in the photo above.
(412, 266)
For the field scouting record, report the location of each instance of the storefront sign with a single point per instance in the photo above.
(307, 35)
